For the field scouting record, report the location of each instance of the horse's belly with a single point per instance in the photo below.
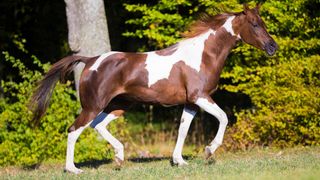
(161, 93)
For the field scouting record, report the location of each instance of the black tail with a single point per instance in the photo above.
(41, 97)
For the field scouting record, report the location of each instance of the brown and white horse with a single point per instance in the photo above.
(185, 73)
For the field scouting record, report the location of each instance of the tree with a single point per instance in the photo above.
(88, 30)
(20, 142)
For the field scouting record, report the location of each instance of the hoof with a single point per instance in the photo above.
(178, 162)
(118, 162)
(211, 161)
(73, 170)
(208, 152)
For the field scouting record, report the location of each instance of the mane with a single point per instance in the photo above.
(205, 22)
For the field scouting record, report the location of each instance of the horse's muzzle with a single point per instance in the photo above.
(271, 47)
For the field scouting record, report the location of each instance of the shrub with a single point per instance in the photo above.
(284, 89)
(23, 144)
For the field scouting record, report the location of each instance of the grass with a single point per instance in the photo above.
(294, 163)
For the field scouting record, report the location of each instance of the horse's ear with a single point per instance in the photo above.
(258, 6)
(245, 8)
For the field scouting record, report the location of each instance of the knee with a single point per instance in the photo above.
(223, 118)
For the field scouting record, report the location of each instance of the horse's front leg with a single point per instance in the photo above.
(189, 112)
(207, 104)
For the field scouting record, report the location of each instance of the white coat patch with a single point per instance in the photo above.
(102, 57)
(189, 51)
(228, 25)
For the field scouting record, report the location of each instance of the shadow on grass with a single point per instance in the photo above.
(147, 159)
(97, 163)
(153, 159)
(31, 167)
(94, 163)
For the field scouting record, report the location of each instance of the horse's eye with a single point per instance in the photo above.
(255, 25)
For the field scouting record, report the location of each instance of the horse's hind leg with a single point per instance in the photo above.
(114, 110)
(115, 143)
(82, 122)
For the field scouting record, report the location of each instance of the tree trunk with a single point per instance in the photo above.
(88, 30)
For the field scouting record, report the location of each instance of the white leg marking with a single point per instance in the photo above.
(116, 144)
(102, 57)
(186, 120)
(217, 112)
(189, 51)
(72, 139)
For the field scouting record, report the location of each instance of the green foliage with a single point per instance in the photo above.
(156, 24)
(284, 89)
(162, 23)
(23, 144)
(286, 100)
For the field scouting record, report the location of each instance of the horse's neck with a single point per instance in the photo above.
(217, 49)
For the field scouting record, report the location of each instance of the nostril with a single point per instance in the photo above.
(274, 45)
(271, 47)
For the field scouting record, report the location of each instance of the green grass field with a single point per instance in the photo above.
(295, 163)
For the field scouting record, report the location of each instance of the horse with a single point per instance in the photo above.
(186, 73)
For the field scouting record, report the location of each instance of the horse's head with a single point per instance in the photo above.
(252, 30)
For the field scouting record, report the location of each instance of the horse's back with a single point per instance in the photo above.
(108, 75)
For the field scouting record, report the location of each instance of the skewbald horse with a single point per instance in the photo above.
(185, 73)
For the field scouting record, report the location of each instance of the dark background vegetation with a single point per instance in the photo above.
(270, 101)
